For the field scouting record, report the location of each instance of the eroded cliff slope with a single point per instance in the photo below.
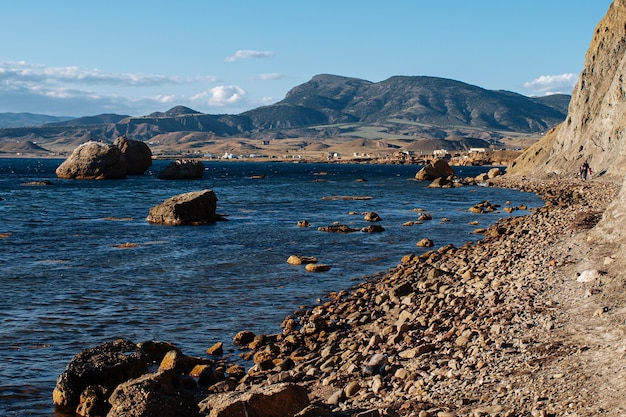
(595, 128)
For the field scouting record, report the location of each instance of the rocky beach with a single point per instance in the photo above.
(526, 322)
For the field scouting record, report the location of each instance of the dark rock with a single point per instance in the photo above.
(183, 169)
(108, 365)
(136, 153)
(186, 209)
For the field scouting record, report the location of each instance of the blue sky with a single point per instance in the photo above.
(78, 58)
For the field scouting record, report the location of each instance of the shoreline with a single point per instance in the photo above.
(490, 328)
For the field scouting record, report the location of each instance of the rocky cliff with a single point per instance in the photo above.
(595, 128)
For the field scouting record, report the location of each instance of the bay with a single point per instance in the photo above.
(66, 285)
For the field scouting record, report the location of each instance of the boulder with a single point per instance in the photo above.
(107, 365)
(280, 400)
(372, 216)
(436, 169)
(136, 153)
(494, 172)
(93, 160)
(183, 169)
(162, 394)
(186, 209)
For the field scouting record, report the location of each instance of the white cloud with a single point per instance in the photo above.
(552, 84)
(269, 76)
(248, 53)
(76, 91)
(24, 73)
(220, 95)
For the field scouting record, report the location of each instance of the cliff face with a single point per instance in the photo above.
(595, 128)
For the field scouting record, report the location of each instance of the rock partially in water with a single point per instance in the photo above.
(108, 365)
(186, 209)
(183, 169)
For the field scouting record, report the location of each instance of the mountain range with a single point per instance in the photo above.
(401, 109)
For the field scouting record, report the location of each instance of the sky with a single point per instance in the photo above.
(134, 57)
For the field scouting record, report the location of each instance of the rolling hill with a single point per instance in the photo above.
(404, 109)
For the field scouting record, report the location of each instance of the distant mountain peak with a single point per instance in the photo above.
(175, 112)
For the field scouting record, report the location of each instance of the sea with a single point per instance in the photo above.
(80, 265)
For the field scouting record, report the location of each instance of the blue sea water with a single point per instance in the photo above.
(65, 286)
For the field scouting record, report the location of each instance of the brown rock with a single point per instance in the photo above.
(216, 350)
(284, 400)
(136, 154)
(160, 394)
(186, 209)
(93, 160)
(243, 337)
(436, 169)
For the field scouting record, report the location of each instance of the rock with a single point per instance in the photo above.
(373, 228)
(136, 154)
(183, 169)
(441, 182)
(425, 243)
(186, 209)
(108, 365)
(279, 400)
(156, 350)
(93, 401)
(340, 228)
(243, 338)
(160, 394)
(436, 169)
(372, 216)
(317, 267)
(588, 275)
(376, 365)
(494, 172)
(303, 223)
(181, 363)
(299, 260)
(216, 350)
(93, 160)
(352, 389)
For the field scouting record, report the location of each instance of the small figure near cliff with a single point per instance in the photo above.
(585, 170)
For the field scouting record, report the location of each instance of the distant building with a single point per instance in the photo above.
(441, 153)
(477, 150)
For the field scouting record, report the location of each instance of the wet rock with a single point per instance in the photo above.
(243, 338)
(193, 208)
(216, 350)
(340, 228)
(317, 267)
(373, 228)
(299, 260)
(372, 216)
(108, 365)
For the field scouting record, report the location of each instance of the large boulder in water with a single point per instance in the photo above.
(184, 209)
(136, 153)
(93, 161)
(436, 169)
(99, 160)
(183, 169)
(106, 365)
